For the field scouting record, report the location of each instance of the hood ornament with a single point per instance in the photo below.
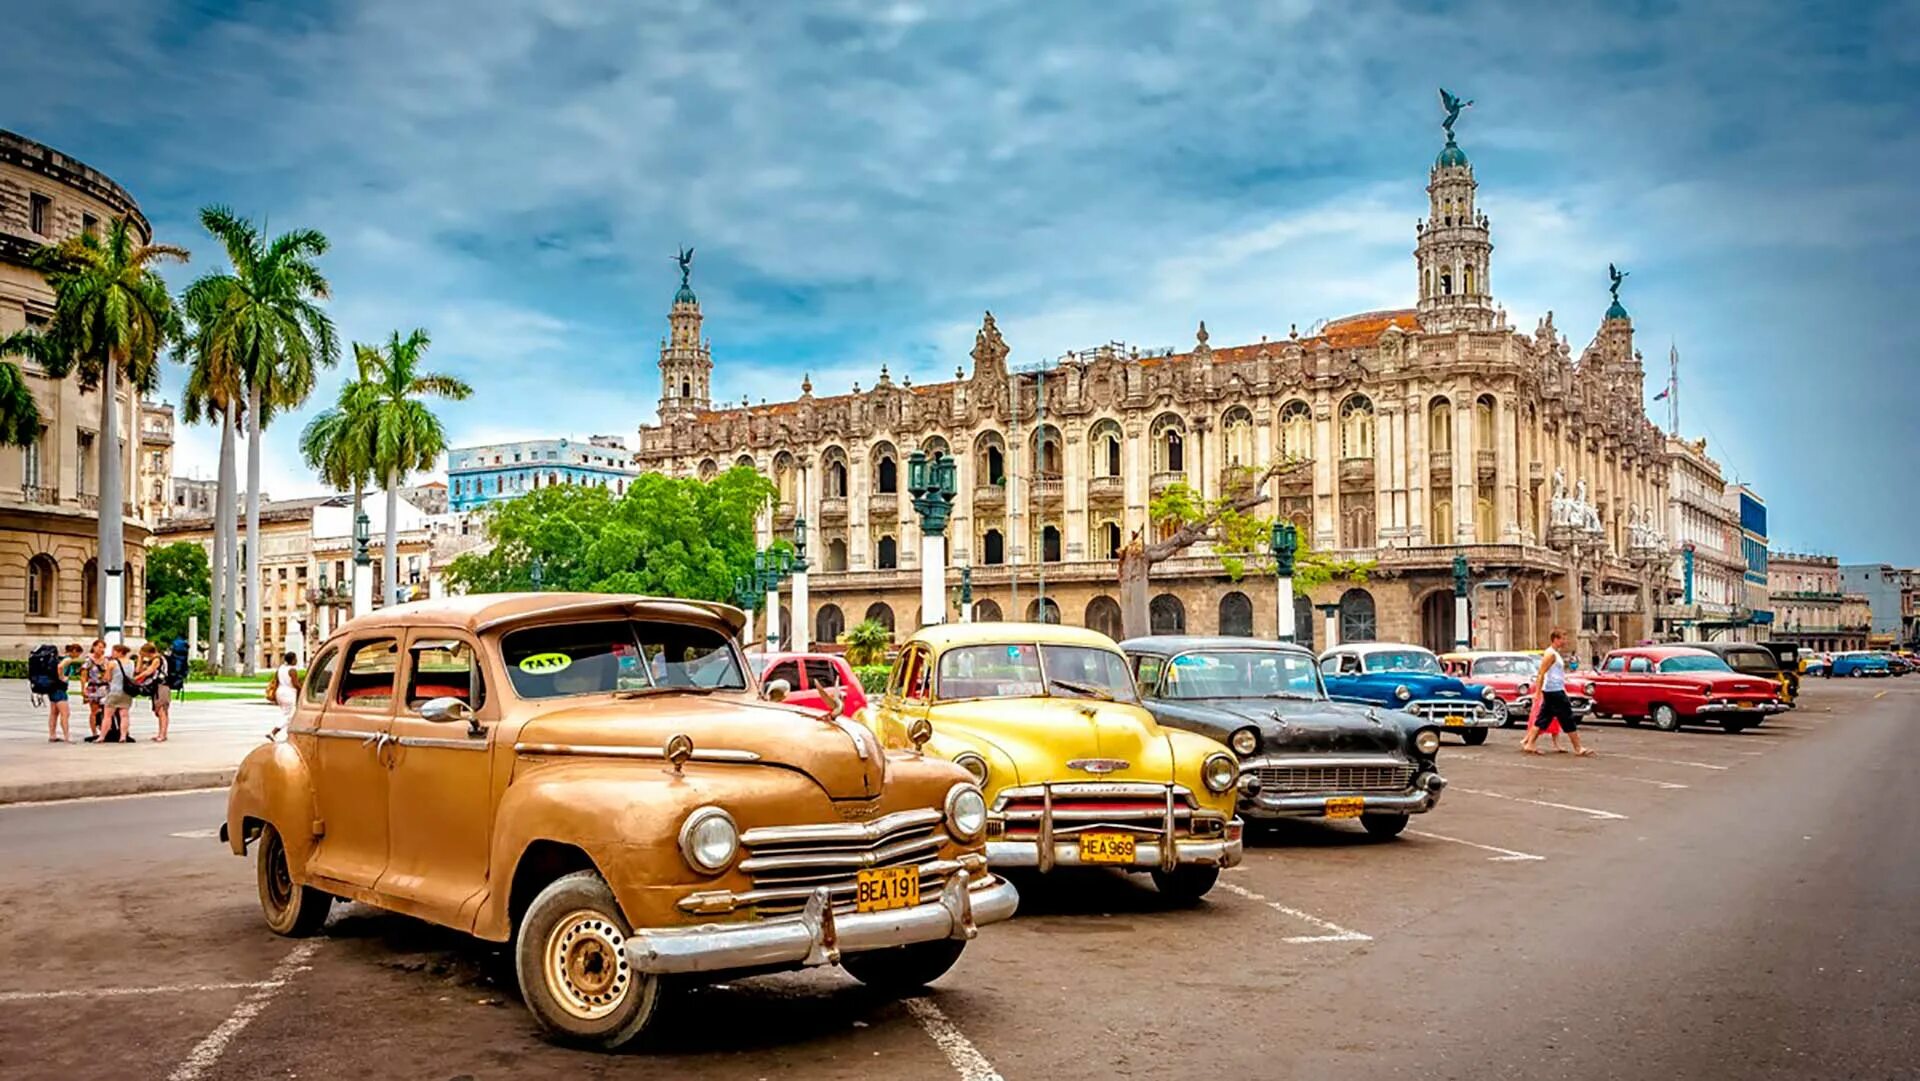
(1098, 765)
(1278, 717)
(1374, 716)
(679, 748)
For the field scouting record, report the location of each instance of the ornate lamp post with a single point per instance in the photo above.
(799, 633)
(1284, 543)
(931, 483)
(1330, 613)
(1462, 632)
(746, 595)
(966, 594)
(766, 575)
(362, 572)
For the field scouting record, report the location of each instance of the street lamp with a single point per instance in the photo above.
(1462, 632)
(966, 594)
(746, 596)
(1284, 543)
(799, 633)
(362, 573)
(930, 480)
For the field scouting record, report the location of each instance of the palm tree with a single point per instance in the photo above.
(340, 443)
(269, 327)
(407, 434)
(214, 391)
(19, 413)
(112, 317)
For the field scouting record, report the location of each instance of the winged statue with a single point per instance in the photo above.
(1453, 106)
(1618, 276)
(685, 259)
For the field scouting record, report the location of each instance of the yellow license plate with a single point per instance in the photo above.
(1453, 719)
(881, 888)
(1106, 848)
(1345, 807)
(1746, 705)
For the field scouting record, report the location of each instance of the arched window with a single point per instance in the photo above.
(1104, 445)
(1169, 445)
(90, 590)
(993, 548)
(786, 481)
(1446, 283)
(829, 623)
(990, 458)
(1469, 281)
(1442, 521)
(1237, 432)
(886, 471)
(1356, 616)
(833, 467)
(1356, 525)
(1483, 422)
(1103, 615)
(886, 554)
(1236, 615)
(1043, 610)
(882, 613)
(1046, 451)
(1166, 615)
(1296, 431)
(686, 388)
(1050, 544)
(745, 461)
(986, 612)
(837, 554)
(935, 444)
(1106, 539)
(42, 573)
(1303, 621)
(1356, 427)
(1483, 523)
(1440, 426)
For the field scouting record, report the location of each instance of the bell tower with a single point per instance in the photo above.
(686, 361)
(1452, 252)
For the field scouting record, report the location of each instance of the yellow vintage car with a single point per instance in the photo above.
(1075, 771)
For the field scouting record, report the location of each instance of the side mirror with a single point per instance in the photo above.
(451, 710)
(777, 690)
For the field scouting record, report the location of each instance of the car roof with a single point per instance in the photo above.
(1364, 648)
(485, 611)
(947, 635)
(1728, 647)
(1663, 652)
(1477, 654)
(1184, 643)
(778, 656)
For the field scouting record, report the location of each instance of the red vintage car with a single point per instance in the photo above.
(1676, 685)
(808, 675)
(1511, 673)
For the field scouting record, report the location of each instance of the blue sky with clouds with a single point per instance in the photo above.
(862, 179)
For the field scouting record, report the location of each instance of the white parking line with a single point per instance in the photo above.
(198, 835)
(1583, 772)
(207, 1052)
(114, 992)
(1503, 855)
(1673, 761)
(1588, 811)
(1335, 932)
(965, 1058)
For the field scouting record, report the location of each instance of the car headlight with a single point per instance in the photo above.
(1487, 695)
(1245, 741)
(973, 763)
(1402, 693)
(1427, 742)
(1219, 772)
(709, 840)
(966, 812)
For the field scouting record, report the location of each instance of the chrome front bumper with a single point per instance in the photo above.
(1434, 711)
(1762, 709)
(1422, 798)
(1146, 854)
(1162, 847)
(819, 936)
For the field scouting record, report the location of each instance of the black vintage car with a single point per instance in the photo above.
(1756, 659)
(1301, 754)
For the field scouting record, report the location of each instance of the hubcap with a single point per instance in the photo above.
(587, 965)
(279, 879)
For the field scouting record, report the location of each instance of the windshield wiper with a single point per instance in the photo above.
(1081, 689)
(648, 692)
(1296, 695)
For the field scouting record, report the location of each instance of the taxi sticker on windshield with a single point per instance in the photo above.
(546, 664)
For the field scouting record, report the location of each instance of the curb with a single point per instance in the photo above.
(132, 785)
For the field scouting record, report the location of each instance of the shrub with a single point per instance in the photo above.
(873, 677)
(867, 642)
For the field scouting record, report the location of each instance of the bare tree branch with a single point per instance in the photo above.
(1244, 497)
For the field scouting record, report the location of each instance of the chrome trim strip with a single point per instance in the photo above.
(710, 902)
(840, 831)
(335, 733)
(1146, 854)
(1089, 788)
(833, 861)
(444, 744)
(1297, 761)
(658, 754)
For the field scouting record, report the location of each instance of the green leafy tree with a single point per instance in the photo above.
(667, 536)
(867, 643)
(407, 436)
(180, 567)
(19, 412)
(267, 325)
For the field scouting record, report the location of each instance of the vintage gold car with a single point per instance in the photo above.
(596, 779)
(1076, 772)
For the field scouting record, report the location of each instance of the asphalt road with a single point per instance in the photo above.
(1691, 905)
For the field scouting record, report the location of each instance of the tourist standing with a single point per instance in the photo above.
(151, 678)
(286, 687)
(1550, 698)
(93, 687)
(118, 701)
(59, 710)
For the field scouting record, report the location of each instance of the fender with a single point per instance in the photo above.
(273, 784)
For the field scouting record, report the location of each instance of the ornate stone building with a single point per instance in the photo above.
(1424, 432)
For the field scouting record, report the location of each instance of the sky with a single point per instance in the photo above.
(862, 180)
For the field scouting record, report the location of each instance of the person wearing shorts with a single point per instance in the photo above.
(93, 686)
(1552, 703)
(117, 726)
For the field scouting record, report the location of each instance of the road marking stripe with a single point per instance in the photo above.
(1673, 761)
(207, 1052)
(1879, 696)
(198, 835)
(1506, 855)
(1336, 933)
(111, 992)
(965, 1058)
(105, 799)
(1588, 811)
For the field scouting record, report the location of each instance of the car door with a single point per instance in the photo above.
(1607, 685)
(906, 696)
(439, 783)
(1342, 673)
(1643, 684)
(350, 784)
(797, 691)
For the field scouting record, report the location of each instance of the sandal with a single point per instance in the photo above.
(1585, 753)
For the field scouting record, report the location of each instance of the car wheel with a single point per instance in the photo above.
(1735, 725)
(1665, 719)
(1474, 737)
(1502, 714)
(1186, 884)
(1383, 827)
(900, 969)
(571, 962)
(292, 910)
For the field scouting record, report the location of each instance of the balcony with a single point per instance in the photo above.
(1356, 472)
(1106, 491)
(1484, 463)
(833, 508)
(39, 493)
(1045, 489)
(783, 515)
(990, 497)
(883, 507)
(1161, 481)
(1805, 595)
(89, 500)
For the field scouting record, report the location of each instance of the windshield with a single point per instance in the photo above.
(1242, 673)
(1506, 666)
(1703, 663)
(1403, 660)
(1024, 670)
(1753, 660)
(596, 657)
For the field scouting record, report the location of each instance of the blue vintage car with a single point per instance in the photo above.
(1860, 664)
(1393, 675)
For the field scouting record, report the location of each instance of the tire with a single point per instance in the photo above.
(1474, 737)
(903, 969)
(1665, 719)
(572, 970)
(292, 910)
(1503, 714)
(1186, 884)
(1384, 827)
(1734, 725)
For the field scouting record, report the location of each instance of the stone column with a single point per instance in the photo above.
(933, 577)
(800, 634)
(1466, 469)
(1506, 455)
(1284, 608)
(773, 617)
(1326, 475)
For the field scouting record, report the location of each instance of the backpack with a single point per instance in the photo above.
(177, 664)
(145, 688)
(43, 670)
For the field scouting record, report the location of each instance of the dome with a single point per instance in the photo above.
(1450, 155)
(684, 295)
(1616, 311)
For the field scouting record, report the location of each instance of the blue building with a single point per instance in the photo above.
(477, 476)
(1752, 511)
(1882, 585)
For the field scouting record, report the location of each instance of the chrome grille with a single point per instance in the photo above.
(1075, 808)
(1331, 780)
(787, 863)
(1439, 709)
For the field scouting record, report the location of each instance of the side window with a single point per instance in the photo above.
(1329, 665)
(822, 673)
(1639, 664)
(786, 670)
(444, 668)
(1146, 673)
(918, 676)
(319, 676)
(1615, 664)
(1350, 664)
(367, 682)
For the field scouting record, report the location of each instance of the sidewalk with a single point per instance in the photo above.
(205, 743)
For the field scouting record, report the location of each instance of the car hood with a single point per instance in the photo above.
(1043, 735)
(845, 759)
(1288, 725)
